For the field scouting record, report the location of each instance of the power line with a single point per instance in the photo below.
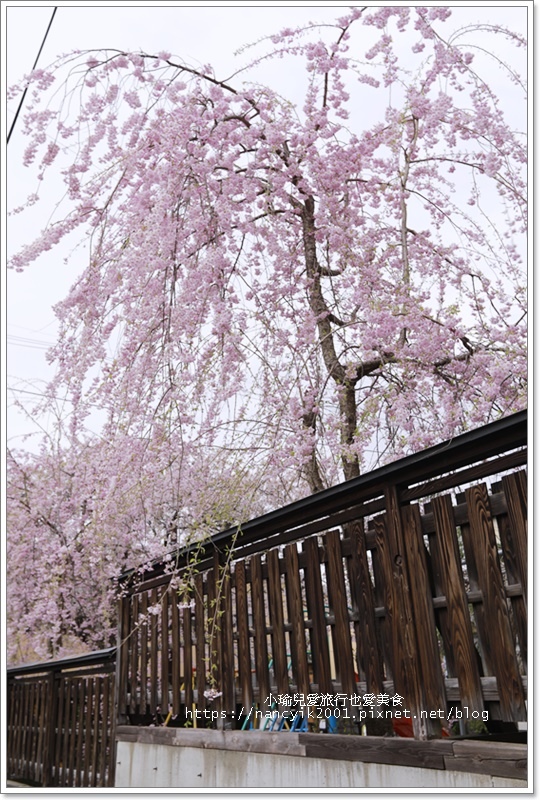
(34, 344)
(49, 396)
(33, 68)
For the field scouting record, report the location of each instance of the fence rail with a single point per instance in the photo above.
(61, 722)
(410, 580)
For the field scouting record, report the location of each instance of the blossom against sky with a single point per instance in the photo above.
(200, 34)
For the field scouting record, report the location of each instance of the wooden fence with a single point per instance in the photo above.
(61, 722)
(410, 581)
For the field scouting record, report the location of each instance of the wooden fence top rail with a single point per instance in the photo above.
(479, 445)
(98, 657)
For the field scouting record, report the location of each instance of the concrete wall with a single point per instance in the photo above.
(230, 760)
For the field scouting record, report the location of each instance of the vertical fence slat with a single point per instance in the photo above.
(41, 719)
(143, 639)
(227, 652)
(432, 693)
(80, 731)
(33, 718)
(515, 491)
(380, 600)
(478, 610)
(95, 732)
(200, 658)
(67, 731)
(124, 630)
(188, 654)
(275, 600)
(163, 639)
(519, 603)
(110, 729)
(134, 654)
(338, 605)
(317, 613)
(175, 654)
(89, 713)
(296, 618)
(509, 684)
(244, 654)
(153, 654)
(461, 636)
(214, 624)
(259, 623)
(368, 647)
(407, 668)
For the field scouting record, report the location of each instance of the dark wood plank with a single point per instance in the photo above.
(244, 652)
(487, 766)
(404, 644)
(227, 651)
(431, 691)
(275, 600)
(124, 615)
(339, 609)
(377, 750)
(501, 640)
(153, 654)
(296, 619)
(21, 725)
(214, 629)
(200, 653)
(14, 729)
(461, 636)
(391, 609)
(88, 717)
(72, 743)
(26, 717)
(176, 678)
(382, 598)
(518, 601)
(52, 721)
(317, 614)
(81, 703)
(143, 640)
(110, 726)
(134, 645)
(10, 727)
(67, 690)
(515, 490)
(21, 690)
(42, 728)
(164, 647)
(259, 624)
(481, 620)
(96, 732)
(493, 758)
(369, 652)
(104, 722)
(188, 650)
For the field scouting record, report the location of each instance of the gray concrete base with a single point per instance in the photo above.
(153, 766)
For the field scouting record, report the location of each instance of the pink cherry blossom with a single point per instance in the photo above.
(278, 296)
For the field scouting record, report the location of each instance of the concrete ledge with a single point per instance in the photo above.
(494, 760)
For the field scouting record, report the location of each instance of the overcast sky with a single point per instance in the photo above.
(199, 34)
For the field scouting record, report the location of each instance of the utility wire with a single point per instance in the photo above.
(33, 68)
(49, 396)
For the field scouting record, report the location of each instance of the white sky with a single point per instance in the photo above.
(195, 32)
